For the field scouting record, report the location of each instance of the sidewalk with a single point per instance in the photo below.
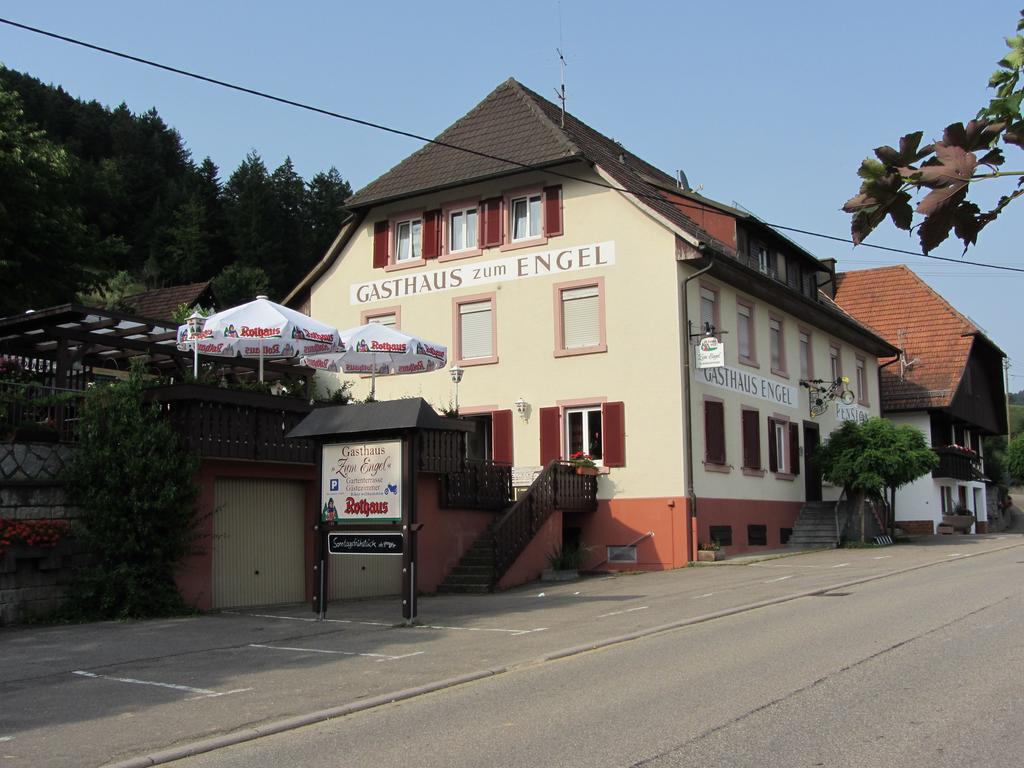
(197, 683)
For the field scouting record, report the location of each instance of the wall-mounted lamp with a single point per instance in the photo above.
(521, 408)
(456, 373)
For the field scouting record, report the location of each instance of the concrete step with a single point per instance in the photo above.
(466, 569)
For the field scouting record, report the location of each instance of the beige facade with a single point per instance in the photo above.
(583, 303)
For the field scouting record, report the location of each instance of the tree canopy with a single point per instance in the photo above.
(874, 456)
(106, 193)
(966, 154)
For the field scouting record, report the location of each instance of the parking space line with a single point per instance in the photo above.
(376, 656)
(204, 693)
(955, 554)
(841, 565)
(881, 557)
(781, 578)
(627, 610)
(700, 597)
(6, 738)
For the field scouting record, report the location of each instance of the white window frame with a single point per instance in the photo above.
(464, 213)
(587, 411)
(531, 220)
(781, 438)
(413, 253)
(861, 369)
(806, 355)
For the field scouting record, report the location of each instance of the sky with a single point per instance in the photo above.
(771, 106)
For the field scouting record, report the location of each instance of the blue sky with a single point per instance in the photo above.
(769, 105)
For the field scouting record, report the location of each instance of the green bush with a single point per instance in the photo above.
(134, 484)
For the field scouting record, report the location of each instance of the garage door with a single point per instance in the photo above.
(354, 576)
(258, 536)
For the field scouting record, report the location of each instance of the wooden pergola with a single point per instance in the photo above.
(72, 339)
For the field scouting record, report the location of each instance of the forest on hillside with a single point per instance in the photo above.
(98, 203)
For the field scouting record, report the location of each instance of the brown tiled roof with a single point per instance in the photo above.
(936, 339)
(160, 303)
(517, 124)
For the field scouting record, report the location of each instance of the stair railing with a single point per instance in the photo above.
(557, 487)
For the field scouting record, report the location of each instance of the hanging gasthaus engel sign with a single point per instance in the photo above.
(362, 482)
(710, 353)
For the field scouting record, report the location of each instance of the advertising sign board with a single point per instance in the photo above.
(362, 482)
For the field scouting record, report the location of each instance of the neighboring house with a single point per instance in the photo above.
(948, 383)
(571, 280)
(161, 303)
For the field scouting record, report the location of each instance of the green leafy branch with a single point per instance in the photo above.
(947, 168)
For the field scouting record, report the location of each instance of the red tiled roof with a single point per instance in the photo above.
(936, 339)
(160, 303)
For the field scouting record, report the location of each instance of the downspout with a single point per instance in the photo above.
(691, 495)
(892, 503)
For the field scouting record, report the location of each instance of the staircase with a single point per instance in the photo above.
(815, 526)
(558, 487)
(475, 572)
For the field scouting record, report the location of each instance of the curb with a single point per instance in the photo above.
(319, 716)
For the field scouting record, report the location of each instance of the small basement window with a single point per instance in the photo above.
(617, 554)
(784, 535)
(722, 534)
(757, 535)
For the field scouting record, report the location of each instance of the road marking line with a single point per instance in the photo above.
(6, 738)
(482, 629)
(955, 554)
(627, 610)
(303, 618)
(403, 656)
(881, 557)
(377, 656)
(700, 597)
(204, 692)
(841, 565)
(781, 578)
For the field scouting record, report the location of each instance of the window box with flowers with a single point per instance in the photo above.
(584, 464)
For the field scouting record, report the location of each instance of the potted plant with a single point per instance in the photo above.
(961, 519)
(565, 562)
(584, 463)
(709, 551)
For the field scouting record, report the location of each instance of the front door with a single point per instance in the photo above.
(812, 473)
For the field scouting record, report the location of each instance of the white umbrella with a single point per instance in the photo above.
(380, 350)
(261, 329)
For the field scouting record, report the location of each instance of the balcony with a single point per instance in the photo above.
(957, 464)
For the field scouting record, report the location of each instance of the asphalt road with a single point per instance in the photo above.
(137, 692)
(921, 669)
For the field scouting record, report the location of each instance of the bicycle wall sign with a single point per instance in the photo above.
(823, 392)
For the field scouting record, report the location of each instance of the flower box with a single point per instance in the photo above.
(710, 555)
(591, 471)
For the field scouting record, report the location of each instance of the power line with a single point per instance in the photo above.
(417, 137)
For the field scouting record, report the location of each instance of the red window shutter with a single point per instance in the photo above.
(552, 211)
(751, 440)
(794, 449)
(501, 436)
(613, 424)
(380, 244)
(550, 435)
(490, 223)
(773, 449)
(431, 234)
(714, 432)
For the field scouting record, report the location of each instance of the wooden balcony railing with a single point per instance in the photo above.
(441, 451)
(234, 424)
(957, 464)
(478, 485)
(558, 487)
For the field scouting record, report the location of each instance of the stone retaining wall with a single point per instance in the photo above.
(33, 579)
